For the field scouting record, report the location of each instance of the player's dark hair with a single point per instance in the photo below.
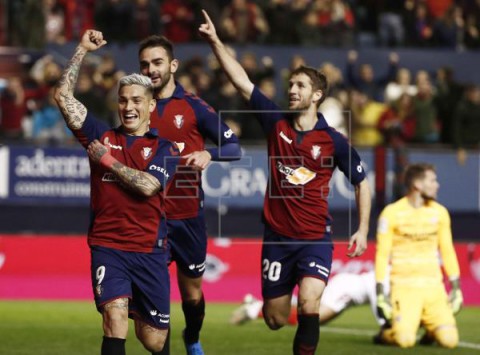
(318, 79)
(416, 171)
(157, 41)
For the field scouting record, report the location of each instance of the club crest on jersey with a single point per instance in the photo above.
(316, 150)
(146, 152)
(178, 120)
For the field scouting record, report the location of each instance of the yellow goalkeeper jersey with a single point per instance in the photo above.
(410, 239)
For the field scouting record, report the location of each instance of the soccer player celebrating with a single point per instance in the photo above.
(128, 229)
(303, 154)
(187, 120)
(410, 233)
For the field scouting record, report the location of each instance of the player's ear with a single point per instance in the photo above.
(152, 105)
(173, 66)
(317, 95)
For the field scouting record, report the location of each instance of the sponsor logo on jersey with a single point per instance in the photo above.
(228, 134)
(146, 152)
(285, 138)
(109, 177)
(298, 176)
(178, 121)
(322, 270)
(316, 150)
(99, 290)
(160, 169)
(180, 146)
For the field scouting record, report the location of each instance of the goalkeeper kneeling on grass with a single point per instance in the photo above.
(410, 234)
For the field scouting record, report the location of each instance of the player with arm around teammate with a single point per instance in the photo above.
(303, 154)
(411, 232)
(130, 166)
(189, 121)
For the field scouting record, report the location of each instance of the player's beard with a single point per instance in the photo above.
(165, 79)
(428, 198)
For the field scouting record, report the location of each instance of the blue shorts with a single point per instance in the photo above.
(285, 261)
(141, 277)
(187, 239)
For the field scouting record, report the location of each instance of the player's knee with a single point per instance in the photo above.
(153, 345)
(447, 337)
(405, 339)
(275, 322)
(115, 322)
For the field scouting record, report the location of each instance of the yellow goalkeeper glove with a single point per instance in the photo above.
(384, 309)
(455, 298)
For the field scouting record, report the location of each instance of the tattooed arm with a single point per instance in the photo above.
(73, 111)
(138, 181)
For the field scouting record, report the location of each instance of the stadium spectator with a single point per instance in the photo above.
(366, 81)
(401, 85)
(448, 30)
(47, 123)
(186, 119)
(426, 127)
(309, 29)
(418, 24)
(472, 31)
(13, 109)
(397, 122)
(336, 22)
(296, 207)
(410, 234)
(281, 20)
(145, 18)
(447, 96)
(344, 290)
(397, 125)
(333, 107)
(243, 21)
(390, 22)
(129, 259)
(366, 114)
(178, 19)
(115, 19)
(466, 122)
(54, 12)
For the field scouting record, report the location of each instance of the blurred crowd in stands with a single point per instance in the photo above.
(441, 23)
(391, 108)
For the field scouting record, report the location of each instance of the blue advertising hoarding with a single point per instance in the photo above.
(53, 175)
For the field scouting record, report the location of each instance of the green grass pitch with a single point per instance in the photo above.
(59, 328)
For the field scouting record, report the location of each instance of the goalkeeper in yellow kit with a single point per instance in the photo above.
(411, 233)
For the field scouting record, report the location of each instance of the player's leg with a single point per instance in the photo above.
(115, 326)
(343, 290)
(153, 339)
(313, 270)
(188, 241)
(150, 303)
(308, 328)
(112, 287)
(279, 256)
(326, 314)
(438, 318)
(193, 305)
(407, 306)
(276, 311)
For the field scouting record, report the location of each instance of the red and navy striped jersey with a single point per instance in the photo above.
(120, 218)
(301, 164)
(188, 121)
